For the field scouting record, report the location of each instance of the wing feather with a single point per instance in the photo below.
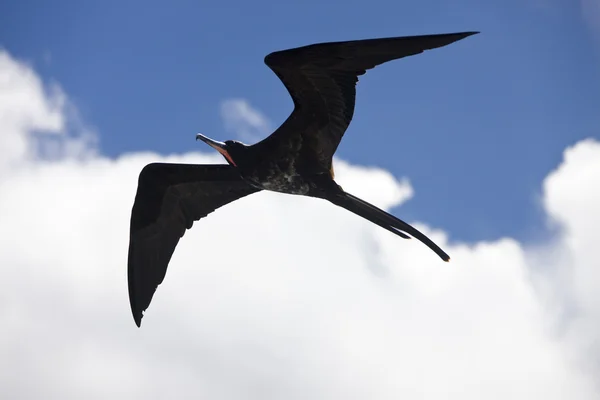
(170, 197)
(321, 79)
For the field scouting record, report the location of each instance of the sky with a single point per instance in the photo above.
(475, 126)
(490, 145)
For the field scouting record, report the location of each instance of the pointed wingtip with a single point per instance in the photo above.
(444, 39)
(135, 312)
(464, 35)
(137, 317)
(461, 35)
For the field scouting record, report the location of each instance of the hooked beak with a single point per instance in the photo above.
(215, 144)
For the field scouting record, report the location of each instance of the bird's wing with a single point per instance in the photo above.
(321, 78)
(170, 197)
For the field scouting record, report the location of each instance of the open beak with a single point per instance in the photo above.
(215, 144)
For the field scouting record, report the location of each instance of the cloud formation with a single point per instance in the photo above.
(25, 107)
(277, 296)
(245, 121)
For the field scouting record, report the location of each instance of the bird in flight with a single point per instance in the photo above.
(295, 159)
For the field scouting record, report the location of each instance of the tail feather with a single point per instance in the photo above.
(384, 220)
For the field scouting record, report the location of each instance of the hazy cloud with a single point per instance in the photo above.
(245, 121)
(590, 10)
(26, 106)
(274, 296)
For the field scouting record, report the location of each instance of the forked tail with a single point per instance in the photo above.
(384, 220)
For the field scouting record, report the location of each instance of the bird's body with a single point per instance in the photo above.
(281, 171)
(295, 159)
(277, 174)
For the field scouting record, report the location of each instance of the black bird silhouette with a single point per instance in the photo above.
(295, 159)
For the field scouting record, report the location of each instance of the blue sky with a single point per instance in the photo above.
(479, 128)
(475, 126)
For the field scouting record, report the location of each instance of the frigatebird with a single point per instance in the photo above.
(295, 159)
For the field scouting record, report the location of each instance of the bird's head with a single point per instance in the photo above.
(232, 150)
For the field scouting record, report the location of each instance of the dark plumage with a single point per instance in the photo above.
(295, 159)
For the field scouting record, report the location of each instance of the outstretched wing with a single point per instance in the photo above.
(170, 197)
(321, 78)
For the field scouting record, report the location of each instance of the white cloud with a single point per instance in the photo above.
(572, 196)
(36, 120)
(278, 296)
(241, 118)
(25, 107)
